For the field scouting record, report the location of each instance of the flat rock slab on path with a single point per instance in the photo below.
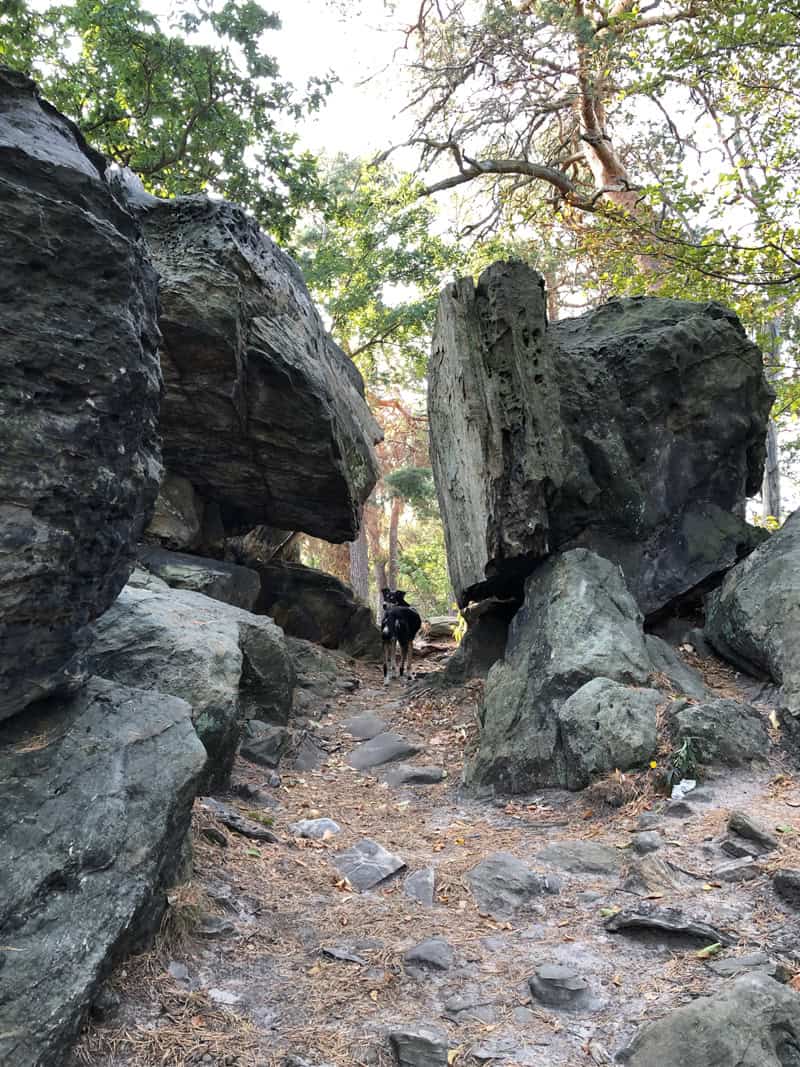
(669, 921)
(562, 988)
(408, 774)
(420, 1046)
(364, 727)
(502, 885)
(433, 954)
(367, 864)
(238, 823)
(385, 748)
(582, 857)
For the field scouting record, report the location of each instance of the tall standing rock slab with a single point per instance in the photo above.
(262, 412)
(96, 793)
(634, 430)
(578, 623)
(79, 395)
(754, 618)
(496, 434)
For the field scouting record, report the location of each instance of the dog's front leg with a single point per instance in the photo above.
(385, 662)
(394, 657)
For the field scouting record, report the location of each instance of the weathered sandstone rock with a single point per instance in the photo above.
(228, 664)
(578, 623)
(312, 604)
(634, 430)
(96, 791)
(79, 394)
(214, 578)
(753, 619)
(262, 412)
(753, 1022)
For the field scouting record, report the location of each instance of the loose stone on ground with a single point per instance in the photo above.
(582, 857)
(383, 748)
(367, 864)
(503, 885)
(420, 886)
(408, 774)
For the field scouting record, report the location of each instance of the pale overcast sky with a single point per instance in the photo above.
(359, 118)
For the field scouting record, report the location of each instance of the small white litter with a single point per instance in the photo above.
(684, 786)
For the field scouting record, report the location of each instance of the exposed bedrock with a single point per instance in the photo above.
(79, 394)
(96, 791)
(262, 413)
(634, 430)
(228, 664)
(753, 619)
(311, 604)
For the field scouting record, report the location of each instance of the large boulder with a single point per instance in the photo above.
(753, 619)
(79, 395)
(604, 726)
(754, 1022)
(214, 578)
(262, 412)
(720, 731)
(321, 675)
(578, 622)
(228, 664)
(316, 606)
(96, 791)
(635, 430)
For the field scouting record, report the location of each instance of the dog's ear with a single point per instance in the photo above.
(402, 593)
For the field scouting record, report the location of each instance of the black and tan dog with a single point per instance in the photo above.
(399, 626)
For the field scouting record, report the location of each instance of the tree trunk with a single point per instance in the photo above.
(379, 570)
(394, 522)
(359, 565)
(771, 486)
(608, 170)
(551, 288)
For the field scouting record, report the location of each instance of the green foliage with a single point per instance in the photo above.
(681, 763)
(415, 486)
(375, 263)
(770, 522)
(185, 115)
(423, 568)
(652, 147)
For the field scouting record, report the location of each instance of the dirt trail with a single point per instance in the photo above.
(269, 980)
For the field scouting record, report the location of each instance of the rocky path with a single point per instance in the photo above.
(422, 927)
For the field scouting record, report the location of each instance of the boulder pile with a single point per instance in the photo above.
(118, 702)
(591, 474)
